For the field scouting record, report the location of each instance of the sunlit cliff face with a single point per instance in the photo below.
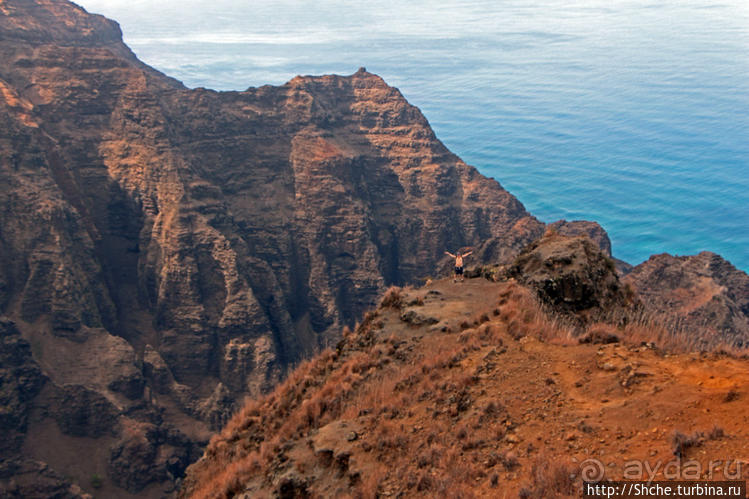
(632, 114)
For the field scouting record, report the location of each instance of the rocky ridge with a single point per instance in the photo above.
(487, 395)
(702, 295)
(165, 252)
(169, 251)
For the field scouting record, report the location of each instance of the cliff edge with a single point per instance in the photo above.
(478, 389)
(167, 252)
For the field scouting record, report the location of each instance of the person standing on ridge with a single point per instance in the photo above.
(458, 264)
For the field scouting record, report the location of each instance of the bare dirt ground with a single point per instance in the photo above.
(464, 390)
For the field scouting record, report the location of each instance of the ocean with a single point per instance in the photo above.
(632, 113)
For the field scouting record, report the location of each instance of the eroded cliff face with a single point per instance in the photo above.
(165, 252)
(702, 296)
(168, 251)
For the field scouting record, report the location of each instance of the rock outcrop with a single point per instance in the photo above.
(703, 295)
(169, 251)
(572, 275)
(596, 233)
(165, 252)
(593, 230)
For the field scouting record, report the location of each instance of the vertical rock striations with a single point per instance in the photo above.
(165, 252)
(169, 251)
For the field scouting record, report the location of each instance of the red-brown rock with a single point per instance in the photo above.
(182, 248)
(702, 295)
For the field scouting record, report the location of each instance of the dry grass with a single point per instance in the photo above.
(370, 485)
(369, 384)
(551, 478)
(670, 333)
(681, 443)
(526, 315)
(425, 412)
(251, 439)
(393, 298)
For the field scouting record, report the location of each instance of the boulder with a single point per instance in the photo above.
(572, 275)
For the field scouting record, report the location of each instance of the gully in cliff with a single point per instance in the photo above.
(458, 263)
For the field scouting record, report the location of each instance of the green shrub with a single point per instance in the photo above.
(96, 481)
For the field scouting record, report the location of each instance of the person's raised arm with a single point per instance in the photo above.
(466, 254)
(448, 253)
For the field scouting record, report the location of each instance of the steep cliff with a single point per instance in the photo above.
(169, 251)
(165, 252)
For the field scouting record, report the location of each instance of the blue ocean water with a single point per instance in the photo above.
(633, 113)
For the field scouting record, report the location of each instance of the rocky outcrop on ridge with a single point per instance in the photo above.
(703, 294)
(165, 251)
(572, 275)
(596, 233)
(593, 230)
(169, 251)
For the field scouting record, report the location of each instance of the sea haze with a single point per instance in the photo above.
(631, 113)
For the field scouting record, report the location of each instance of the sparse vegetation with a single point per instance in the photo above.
(551, 478)
(430, 406)
(716, 433)
(681, 442)
(731, 396)
(96, 481)
(393, 298)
